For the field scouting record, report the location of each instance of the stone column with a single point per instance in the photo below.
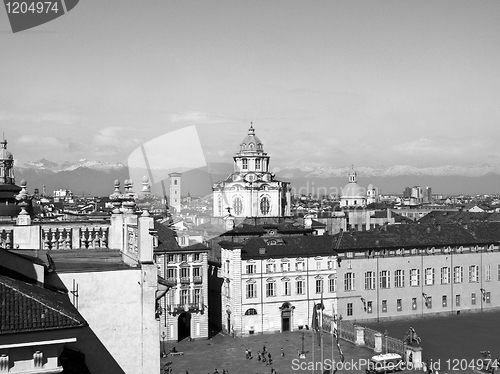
(378, 342)
(360, 335)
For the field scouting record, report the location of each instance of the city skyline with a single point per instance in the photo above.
(334, 83)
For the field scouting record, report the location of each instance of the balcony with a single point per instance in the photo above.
(171, 281)
(197, 279)
(187, 307)
(185, 280)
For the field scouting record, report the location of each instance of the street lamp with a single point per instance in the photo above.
(302, 352)
(163, 336)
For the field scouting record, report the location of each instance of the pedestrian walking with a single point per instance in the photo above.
(264, 349)
(269, 355)
(282, 352)
(246, 353)
(258, 356)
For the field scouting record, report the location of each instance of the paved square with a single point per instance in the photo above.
(224, 352)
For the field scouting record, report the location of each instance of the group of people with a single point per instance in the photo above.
(263, 356)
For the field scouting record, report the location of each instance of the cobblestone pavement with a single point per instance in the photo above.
(224, 352)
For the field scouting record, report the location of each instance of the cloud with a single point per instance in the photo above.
(109, 139)
(49, 143)
(57, 117)
(197, 117)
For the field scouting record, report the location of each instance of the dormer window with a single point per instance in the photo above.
(251, 146)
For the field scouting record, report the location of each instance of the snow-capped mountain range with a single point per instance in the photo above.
(45, 164)
(392, 171)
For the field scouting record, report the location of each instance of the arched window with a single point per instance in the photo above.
(238, 205)
(251, 312)
(265, 205)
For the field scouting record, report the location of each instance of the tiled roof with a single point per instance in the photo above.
(293, 246)
(166, 238)
(414, 235)
(282, 228)
(437, 216)
(26, 307)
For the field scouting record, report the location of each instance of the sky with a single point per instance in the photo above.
(325, 83)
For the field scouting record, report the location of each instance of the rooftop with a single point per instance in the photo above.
(26, 307)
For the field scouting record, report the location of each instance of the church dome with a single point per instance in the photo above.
(251, 143)
(353, 189)
(4, 153)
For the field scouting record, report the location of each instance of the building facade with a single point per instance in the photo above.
(271, 284)
(417, 270)
(184, 310)
(251, 190)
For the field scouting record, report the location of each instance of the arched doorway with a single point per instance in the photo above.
(286, 316)
(184, 326)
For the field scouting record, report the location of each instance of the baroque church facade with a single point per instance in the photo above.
(251, 190)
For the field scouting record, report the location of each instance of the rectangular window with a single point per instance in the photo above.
(285, 266)
(319, 285)
(197, 295)
(257, 164)
(286, 288)
(415, 277)
(458, 274)
(429, 276)
(384, 306)
(171, 258)
(349, 309)
(332, 285)
(270, 289)
(399, 278)
(457, 300)
(487, 271)
(251, 291)
(385, 279)
(330, 265)
(399, 305)
(184, 258)
(445, 275)
(414, 303)
(370, 280)
(184, 297)
(300, 287)
(473, 298)
(197, 257)
(196, 271)
(445, 301)
(184, 272)
(245, 164)
(428, 302)
(270, 268)
(349, 284)
(299, 266)
(171, 273)
(473, 274)
(251, 268)
(369, 306)
(318, 265)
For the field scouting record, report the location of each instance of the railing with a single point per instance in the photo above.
(198, 279)
(370, 337)
(172, 281)
(347, 331)
(185, 280)
(392, 345)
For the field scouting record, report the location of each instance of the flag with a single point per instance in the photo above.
(335, 332)
(317, 319)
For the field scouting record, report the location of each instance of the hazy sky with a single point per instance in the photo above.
(335, 83)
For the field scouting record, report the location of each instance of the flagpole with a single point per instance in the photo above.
(321, 332)
(313, 340)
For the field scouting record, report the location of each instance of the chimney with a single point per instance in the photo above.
(262, 251)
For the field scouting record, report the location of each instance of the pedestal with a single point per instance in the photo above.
(378, 342)
(413, 357)
(360, 336)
